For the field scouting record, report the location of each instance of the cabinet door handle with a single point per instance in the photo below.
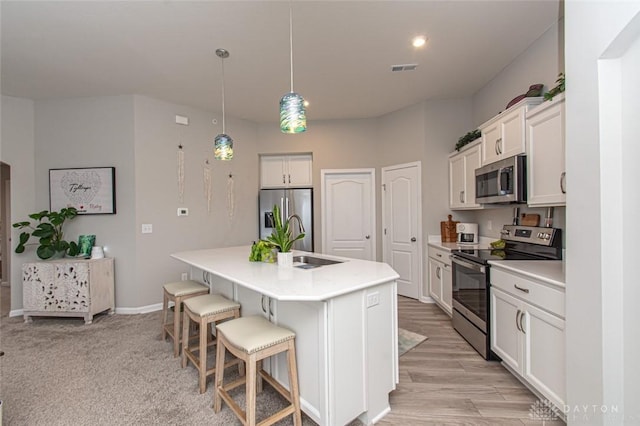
(498, 148)
(462, 196)
(270, 308)
(522, 326)
(283, 179)
(438, 254)
(563, 182)
(524, 290)
(262, 304)
(438, 272)
(517, 320)
(289, 178)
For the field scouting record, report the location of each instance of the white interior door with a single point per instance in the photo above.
(348, 213)
(401, 213)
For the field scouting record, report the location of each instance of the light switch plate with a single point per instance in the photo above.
(147, 228)
(183, 211)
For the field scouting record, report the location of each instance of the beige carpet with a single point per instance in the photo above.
(116, 371)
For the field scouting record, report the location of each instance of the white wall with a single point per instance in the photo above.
(93, 132)
(156, 144)
(595, 373)
(540, 63)
(18, 151)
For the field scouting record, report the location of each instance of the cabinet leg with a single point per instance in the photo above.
(28, 319)
(88, 319)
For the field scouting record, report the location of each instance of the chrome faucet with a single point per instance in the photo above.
(300, 225)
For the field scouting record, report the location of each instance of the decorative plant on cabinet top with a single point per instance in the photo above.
(50, 233)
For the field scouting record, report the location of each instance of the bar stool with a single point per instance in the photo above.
(252, 339)
(177, 292)
(204, 310)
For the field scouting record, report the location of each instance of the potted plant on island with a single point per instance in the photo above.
(49, 232)
(282, 237)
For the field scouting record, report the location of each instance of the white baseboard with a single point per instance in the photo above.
(5, 284)
(16, 313)
(140, 310)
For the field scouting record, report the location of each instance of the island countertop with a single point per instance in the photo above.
(289, 283)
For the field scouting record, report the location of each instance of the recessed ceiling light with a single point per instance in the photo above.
(419, 41)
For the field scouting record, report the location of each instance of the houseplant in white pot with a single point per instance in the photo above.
(282, 237)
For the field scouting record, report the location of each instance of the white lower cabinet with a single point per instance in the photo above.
(527, 331)
(440, 278)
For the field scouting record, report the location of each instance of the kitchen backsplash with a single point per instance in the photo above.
(490, 220)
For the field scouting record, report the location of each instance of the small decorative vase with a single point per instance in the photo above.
(285, 259)
(85, 244)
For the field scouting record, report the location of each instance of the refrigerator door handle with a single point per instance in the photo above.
(282, 209)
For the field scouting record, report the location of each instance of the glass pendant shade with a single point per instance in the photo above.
(223, 147)
(293, 117)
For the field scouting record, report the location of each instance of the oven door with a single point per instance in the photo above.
(470, 296)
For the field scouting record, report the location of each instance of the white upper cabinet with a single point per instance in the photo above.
(545, 154)
(462, 178)
(286, 171)
(504, 135)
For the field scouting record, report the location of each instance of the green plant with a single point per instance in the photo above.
(468, 138)
(556, 90)
(282, 235)
(49, 232)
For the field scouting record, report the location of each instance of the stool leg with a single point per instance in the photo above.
(250, 409)
(259, 377)
(186, 323)
(202, 376)
(219, 375)
(176, 326)
(293, 383)
(165, 313)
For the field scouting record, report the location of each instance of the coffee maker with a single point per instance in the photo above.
(467, 233)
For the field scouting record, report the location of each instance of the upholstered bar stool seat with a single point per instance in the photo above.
(252, 339)
(204, 310)
(177, 292)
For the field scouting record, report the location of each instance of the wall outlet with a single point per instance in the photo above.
(183, 211)
(373, 299)
(181, 119)
(185, 276)
(147, 228)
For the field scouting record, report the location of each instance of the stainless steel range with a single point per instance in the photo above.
(471, 269)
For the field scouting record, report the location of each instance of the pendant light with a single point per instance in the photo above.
(223, 144)
(293, 117)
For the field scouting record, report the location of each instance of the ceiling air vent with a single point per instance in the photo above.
(405, 67)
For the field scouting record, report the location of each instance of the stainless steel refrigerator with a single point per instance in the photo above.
(290, 201)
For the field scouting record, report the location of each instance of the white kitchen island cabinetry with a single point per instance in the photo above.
(286, 171)
(503, 136)
(545, 154)
(344, 316)
(527, 327)
(462, 178)
(440, 278)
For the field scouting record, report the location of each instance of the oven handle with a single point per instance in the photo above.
(466, 264)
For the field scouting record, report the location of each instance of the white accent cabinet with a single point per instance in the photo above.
(440, 278)
(68, 288)
(462, 177)
(503, 136)
(528, 331)
(286, 171)
(545, 154)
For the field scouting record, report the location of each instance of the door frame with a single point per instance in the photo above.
(420, 259)
(323, 217)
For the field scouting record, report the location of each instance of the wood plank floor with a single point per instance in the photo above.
(443, 381)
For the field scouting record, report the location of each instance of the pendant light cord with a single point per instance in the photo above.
(291, 42)
(223, 130)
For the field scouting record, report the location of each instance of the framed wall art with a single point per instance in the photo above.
(89, 190)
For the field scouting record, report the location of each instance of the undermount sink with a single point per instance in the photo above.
(308, 262)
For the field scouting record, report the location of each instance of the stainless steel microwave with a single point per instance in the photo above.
(502, 182)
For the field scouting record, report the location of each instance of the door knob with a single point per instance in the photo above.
(367, 236)
(413, 239)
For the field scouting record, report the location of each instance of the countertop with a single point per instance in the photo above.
(289, 283)
(435, 241)
(548, 271)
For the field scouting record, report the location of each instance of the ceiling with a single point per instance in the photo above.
(343, 51)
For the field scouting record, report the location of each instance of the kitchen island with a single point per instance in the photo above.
(344, 316)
